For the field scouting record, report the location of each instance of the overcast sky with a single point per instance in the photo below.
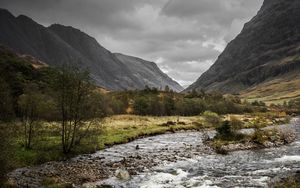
(184, 37)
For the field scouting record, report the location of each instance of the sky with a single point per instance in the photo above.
(184, 37)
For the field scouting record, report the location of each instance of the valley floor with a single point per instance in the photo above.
(107, 132)
(160, 160)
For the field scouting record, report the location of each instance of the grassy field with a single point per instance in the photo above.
(276, 91)
(109, 131)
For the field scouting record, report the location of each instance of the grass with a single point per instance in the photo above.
(112, 130)
(290, 182)
(276, 91)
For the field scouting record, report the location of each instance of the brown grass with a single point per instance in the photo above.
(276, 91)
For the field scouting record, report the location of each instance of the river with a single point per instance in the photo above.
(176, 160)
(238, 169)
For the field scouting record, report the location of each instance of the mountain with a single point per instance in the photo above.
(266, 52)
(59, 45)
(143, 70)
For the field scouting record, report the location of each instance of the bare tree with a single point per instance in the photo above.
(73, 88)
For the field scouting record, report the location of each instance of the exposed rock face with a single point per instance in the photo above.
(267, 47)
(59, 45)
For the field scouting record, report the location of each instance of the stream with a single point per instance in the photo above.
(250, 168)
(178, 160)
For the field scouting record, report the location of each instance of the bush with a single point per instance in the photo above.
(259, 136)
(225, 130)
(217, 145)
(228, 131)
(211, 118)
(235, 123)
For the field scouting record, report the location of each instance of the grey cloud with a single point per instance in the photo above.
(187, 35)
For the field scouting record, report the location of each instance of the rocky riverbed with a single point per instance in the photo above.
(136, 157)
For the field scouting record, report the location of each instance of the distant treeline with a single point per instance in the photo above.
(168, 103)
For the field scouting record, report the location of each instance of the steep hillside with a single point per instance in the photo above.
(268, 48)
(148, 73)
(59, 45)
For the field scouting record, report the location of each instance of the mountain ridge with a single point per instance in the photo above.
(58, 45)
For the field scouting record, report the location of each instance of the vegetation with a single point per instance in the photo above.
(275, 91)
(51, 114)
(290, 182)
(228, 134)
(46, 145)
(212, 118)
(73, 96)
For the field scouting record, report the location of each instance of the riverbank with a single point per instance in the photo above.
(153, 151)
(115, 130)
(105, 133)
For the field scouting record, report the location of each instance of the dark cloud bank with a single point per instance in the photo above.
(183, 36)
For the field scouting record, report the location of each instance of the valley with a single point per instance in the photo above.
(75, 114)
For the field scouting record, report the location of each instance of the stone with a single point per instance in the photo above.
(122, 174)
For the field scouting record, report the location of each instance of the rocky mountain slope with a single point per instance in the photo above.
(59, 45)
(266, 51)
(144, 69)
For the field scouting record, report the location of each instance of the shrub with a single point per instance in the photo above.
(235, 123)
(228, 131)
(225, 130)
(211, 118)
(217, 145)
(259, 136)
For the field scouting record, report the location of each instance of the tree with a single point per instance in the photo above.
(73, 88)
(140, 106)
(167, 88)
(6, 103)
(169, 105)
(94, 110)
(32, 104)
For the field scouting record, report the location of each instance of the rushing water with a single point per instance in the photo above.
(200, 168)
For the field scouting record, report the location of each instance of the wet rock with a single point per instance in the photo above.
(88, 185)
(268, 144)
(122, 174)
